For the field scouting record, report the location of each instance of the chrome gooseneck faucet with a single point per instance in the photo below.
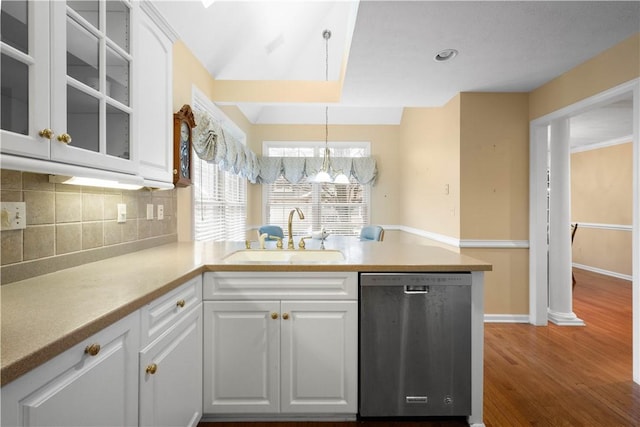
(301, 216)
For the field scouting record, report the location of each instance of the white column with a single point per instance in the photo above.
(560, 292)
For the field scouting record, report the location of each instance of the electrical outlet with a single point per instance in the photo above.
(149, 211)
(160, 212)
(13, 215)
(122, 212)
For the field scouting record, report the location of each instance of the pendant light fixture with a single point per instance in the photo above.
(323, 173)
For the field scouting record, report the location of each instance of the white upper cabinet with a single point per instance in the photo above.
(24, 71)
(91, 65)
(69, 91)
(153, 91)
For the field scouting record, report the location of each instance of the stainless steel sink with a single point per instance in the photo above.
(290, 256)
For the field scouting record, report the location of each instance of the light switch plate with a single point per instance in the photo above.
(122, 212)
(149, 211)
(160, 212)
(13, 215)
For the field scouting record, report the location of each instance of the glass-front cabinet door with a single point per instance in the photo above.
(91, 84)
(24, 77)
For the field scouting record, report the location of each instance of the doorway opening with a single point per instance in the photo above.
(550, 296)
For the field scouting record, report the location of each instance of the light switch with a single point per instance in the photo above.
(149, 211)
(160, 212)
(122, 212)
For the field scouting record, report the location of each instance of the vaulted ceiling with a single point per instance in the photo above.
(382, 52)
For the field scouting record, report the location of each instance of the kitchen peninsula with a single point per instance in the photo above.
(46, 315)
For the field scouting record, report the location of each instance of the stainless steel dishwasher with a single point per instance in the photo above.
(415, 344)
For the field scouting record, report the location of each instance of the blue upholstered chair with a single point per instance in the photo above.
(372, 232)
(272, 230)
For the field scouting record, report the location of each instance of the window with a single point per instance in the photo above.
(219, 197)
(340, 208)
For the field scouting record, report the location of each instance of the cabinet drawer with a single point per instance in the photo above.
(169, 309)
(280, 285)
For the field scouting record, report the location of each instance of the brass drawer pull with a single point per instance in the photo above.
(151, 369)
(285, 316)
(92, 349)
(274, 315)
(181, 303)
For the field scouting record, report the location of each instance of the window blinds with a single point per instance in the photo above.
(341, 209)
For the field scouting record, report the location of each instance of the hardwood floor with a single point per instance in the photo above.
(551, 376)
(566, 376)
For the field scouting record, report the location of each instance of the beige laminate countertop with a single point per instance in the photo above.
(45, 315)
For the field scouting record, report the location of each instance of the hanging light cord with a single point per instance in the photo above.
(327, 35)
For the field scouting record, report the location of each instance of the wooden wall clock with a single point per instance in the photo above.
(183, 123)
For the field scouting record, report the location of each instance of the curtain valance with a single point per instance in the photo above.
(212, 145)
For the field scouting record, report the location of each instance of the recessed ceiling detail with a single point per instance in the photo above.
(382, 52)
(445, 55)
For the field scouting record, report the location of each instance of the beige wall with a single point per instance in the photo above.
(430, 161)
(506, 287)
(615, 66)
(494, 200)
(601, 193)
(494, 166)
(477, 144)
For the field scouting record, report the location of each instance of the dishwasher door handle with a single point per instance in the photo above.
(416, 289)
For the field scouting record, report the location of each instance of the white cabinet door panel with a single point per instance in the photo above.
(25, 100)
(241, 357)
(171, 394)
(153, 88)
(319, 357)
(77, 389)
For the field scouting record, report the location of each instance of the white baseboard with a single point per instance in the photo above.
(506, 318)
(602, 271)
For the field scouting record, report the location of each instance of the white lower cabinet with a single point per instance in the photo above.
(94, 383)
(241, 357)
(170, 369)
(170, 375)
(145, 369)
(319, 357)
(266, 356)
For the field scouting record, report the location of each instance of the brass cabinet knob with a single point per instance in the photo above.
(285, 316)
(181, 303)
(92, 349)
(274, 316)
(151, 369)
(65, 138)
(46, 133)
